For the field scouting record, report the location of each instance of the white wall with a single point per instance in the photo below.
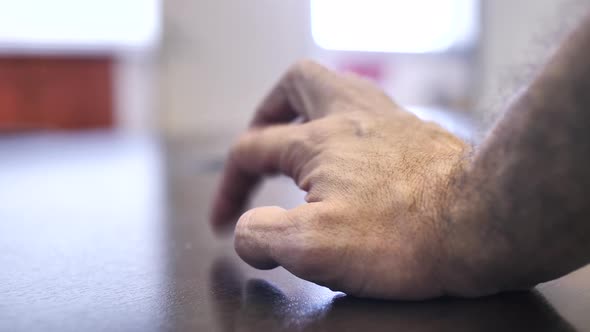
(220, 57)
(135, 93)
(518, 37)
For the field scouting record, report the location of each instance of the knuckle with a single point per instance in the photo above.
(359, 123)
(350, 123)
(242, 148)
(311, 180)
(302, 69)
(302, 66)
(318, 132)
(239, 146)
(243, 225)
(300, 140)
(294, 150)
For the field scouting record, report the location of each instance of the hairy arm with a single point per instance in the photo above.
(529, 183)
(394, 209)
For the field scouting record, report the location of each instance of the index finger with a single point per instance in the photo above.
(303, 91)
(260, 151)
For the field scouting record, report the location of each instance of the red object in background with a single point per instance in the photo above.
(372, 70)
(55, 93)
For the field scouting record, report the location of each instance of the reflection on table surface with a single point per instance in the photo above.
(243, 304)
(102, 232)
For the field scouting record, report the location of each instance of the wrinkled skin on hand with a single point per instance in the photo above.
(377, 180)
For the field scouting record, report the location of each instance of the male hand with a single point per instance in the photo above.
(377, 180)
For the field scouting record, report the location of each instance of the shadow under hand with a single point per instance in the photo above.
(253, 305)
(522, 311)
(242, 304)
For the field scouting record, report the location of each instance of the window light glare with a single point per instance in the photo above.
(79, 23)
(400, 26)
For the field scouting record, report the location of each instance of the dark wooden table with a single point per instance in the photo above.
(103, 233)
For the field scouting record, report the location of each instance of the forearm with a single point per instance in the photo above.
(530, 181)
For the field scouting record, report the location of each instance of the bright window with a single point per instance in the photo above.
(79, 24)
(401, 26)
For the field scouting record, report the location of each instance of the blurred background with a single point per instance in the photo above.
(115, 117)
(118, 98)
(119, 101)
(191, 68)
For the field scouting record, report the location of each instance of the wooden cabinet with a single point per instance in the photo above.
(56, 93)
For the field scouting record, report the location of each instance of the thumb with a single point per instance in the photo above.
(260, 233)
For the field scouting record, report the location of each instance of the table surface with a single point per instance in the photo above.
(108, 233)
